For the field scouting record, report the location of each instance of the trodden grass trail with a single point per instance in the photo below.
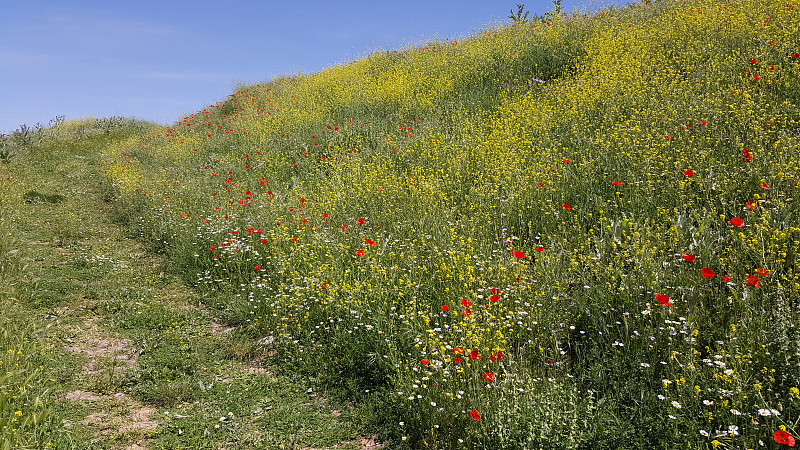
(119, 352)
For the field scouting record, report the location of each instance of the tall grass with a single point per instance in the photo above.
(574, 234)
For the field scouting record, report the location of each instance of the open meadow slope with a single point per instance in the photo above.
(575, 233)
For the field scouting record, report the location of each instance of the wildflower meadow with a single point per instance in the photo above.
(578, 231)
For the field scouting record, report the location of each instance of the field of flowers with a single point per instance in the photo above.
(582, 233)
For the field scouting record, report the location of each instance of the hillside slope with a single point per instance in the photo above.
(580, 233)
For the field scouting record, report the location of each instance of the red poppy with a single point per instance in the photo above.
(475, 414)
(752, 280)
(753, 61)
(762, 272)
(425, 362)
(457, 360)
(518, 254)
(540, 184)
(360, 252)
(748, 154)
(663, 299)
(466, 303)
(263, 241)
(495, 291)
(488, 376)
(458, 349)
(474, 355)
(565, 161)
(360, 221)
(325, 216)
(539, 249)
(257, 268)
(466, 312)
(566, 206)
(764, 185)
(707, 273)
(702, 123)
(369, 242)
(751, 205)
(497, 356)
(617, 183)
(445, 308)
(780, 436)
(736, 222)
(494, 298)
(726, 278)
(688, 257)
(688, 173)
(795, 55)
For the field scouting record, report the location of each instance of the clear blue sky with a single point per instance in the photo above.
(159, 60)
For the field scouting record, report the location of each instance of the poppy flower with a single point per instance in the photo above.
(497, 356)
(518, 254)
(360, 221)
(688, 173)
(663, 299)
(325, 216)
(488, 376)
(688, 257)
(726, 278)
(457, 360)
(257, 268)
(780, 436)
(466, 303)
(565, 161)
(540, 184)
(702, 123)
(748, 155)
(707, 273)
(425, 362)
(751, 205)
(540, 249)
(466, 312)
(263, 241)
(360, 252)
(752, 280)
(368, 241)
(764, 185)
(617, 183)
(474, 355)
(566, 206)
(762, 272)
(445, 308)
(475, 414)
(495, 291)
(736, 222)
(494, 298)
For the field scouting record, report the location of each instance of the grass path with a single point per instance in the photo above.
(135, 359)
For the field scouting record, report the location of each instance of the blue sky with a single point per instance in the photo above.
(159, 60)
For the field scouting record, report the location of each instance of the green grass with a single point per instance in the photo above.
(104, 347)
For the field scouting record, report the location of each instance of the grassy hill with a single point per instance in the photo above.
(580, 233)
